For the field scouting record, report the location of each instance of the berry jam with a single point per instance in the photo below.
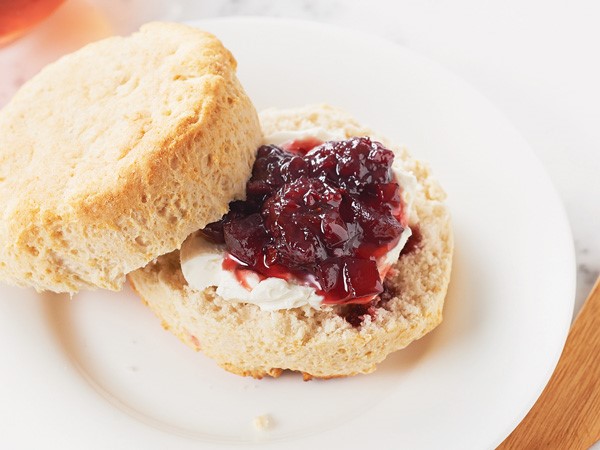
(318, 213)
(355, 314)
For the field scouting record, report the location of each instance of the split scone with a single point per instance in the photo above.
(300, 242)
(321, 333)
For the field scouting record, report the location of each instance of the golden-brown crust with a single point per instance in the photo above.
(318, 343)
(113, 155)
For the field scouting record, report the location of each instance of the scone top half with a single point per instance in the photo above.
(114, 154)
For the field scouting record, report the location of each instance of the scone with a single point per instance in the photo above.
(320, 340)
(114, 154)
(300, 242)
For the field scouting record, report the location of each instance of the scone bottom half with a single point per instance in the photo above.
(114, 154)
(340, 337)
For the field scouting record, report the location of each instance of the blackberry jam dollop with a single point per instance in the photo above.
(320, 214)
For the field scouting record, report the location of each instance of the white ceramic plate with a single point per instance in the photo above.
(99, 372)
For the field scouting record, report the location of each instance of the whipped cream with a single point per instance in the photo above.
(202, 261)
(202, 267)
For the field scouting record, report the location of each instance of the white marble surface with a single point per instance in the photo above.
(536, 60)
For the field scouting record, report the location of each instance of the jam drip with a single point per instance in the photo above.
(319, 213)
(355, 314)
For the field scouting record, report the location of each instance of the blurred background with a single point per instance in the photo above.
(537, 61)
